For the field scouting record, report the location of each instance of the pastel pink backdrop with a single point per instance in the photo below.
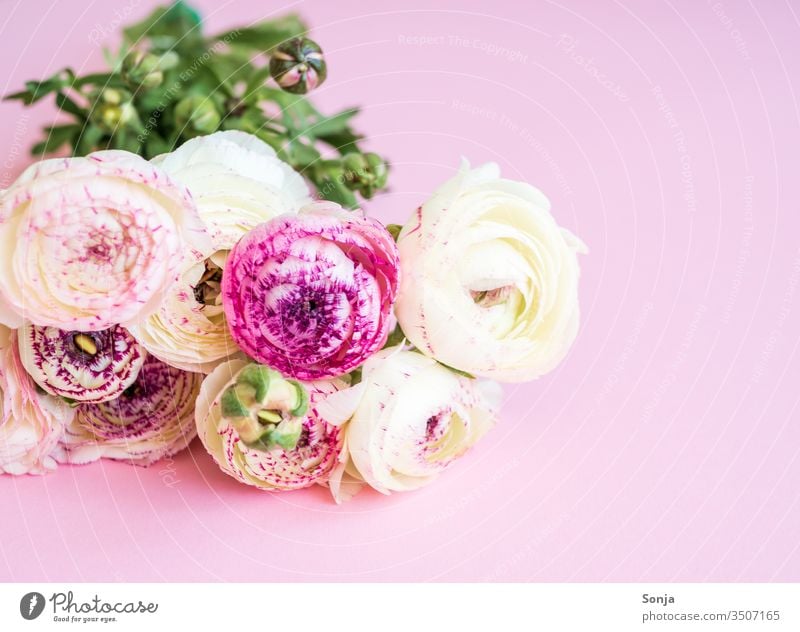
(667, 445)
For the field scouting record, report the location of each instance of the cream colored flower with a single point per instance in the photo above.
(490, 281)
(87, 243)
(414, 418)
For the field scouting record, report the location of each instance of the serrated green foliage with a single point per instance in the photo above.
(227, 82)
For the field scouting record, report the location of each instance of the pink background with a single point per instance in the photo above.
(667, 445)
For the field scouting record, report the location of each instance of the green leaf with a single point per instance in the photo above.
(217, 82)
(251, 120)
(177, 22)
(154, 145)
(264, 36)
(273, 139)
(335, 191)
(256, 81)
(89, 140)
(345, 142)
(235, 66)
(336, 124)
(394, 231)
(57, 137)
(303, 156)
(126, 139)
(228, 69)
(99, 79)
(355, 376)
(37, 90)
(66, 104)
(23, 95)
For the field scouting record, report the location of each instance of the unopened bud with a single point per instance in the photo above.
(142, 69)
(112, 110)
(196, 115)
(298, 66)
(365, 173)
(265, 409)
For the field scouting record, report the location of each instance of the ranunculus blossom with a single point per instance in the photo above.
(490, 281)
(267, 431)
(30, 422)
(414, 418)
(92, 366)
(87, 243)
(237, 182)
(310, 295)
(151, 420)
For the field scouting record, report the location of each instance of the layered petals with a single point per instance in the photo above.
(263, 433)
(237, 182)
(152, 419)
(93, 366)
(414, 419)
(490, 281)
(87, 243)
(310, 295)
(31, 422)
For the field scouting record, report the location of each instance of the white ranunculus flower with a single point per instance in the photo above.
(414, 418)
(490, 280)
(31, 422)
(237, 182)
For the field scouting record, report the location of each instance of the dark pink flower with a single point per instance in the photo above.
(310, 294)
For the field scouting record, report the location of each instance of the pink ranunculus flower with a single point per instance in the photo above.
(87, 243)
(30, 422)
(310, 294)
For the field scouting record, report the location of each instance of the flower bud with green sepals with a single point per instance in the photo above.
(142, 69)
(298, 66)
(264, 408)
(365, 173)
(112, 110)
(196, 115)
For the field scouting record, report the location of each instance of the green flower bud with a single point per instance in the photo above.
(257, 376)
(196, 115)
(365, 173)
(142, 69)
(112, 110)
(265, 409)
(298, 66)
(232, 404)
(301, 407)
(287, 434)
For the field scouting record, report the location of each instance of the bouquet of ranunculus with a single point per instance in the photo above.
(210, 291)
